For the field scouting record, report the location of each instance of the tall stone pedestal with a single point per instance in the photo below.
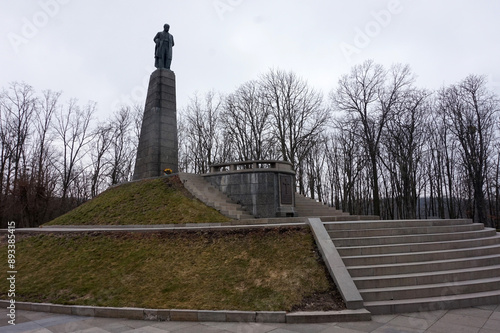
(158, 145)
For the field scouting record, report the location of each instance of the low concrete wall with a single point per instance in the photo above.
(195, 315)
(335, 266)
(264, 188)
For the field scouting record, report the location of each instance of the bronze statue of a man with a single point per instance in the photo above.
(163, 49)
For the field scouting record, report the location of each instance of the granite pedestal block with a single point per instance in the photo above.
(158, 145)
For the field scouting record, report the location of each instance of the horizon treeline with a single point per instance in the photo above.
(375, 144)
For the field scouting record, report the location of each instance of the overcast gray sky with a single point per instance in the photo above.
(102, 50)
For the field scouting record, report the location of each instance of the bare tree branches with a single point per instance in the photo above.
(368, 95)
(247, 121)
(470, 111)
(74, 133)
(203, 127)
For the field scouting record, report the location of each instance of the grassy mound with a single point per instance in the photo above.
(152, 201)
(267, 269)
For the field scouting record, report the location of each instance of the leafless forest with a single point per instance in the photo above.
(376, 144)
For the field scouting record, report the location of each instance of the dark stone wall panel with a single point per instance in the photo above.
(259, 192)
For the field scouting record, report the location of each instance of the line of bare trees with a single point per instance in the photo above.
(54, 155)
(377, 144)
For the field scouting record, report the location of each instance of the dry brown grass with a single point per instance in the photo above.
(268, 270)
(152, 201)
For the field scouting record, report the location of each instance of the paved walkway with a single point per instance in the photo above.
(483, 319)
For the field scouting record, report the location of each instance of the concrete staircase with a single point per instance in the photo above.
(308, 207)
(420, 265)
(212, 197)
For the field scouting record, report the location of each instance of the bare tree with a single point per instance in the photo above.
(346, 160)
(298, 116)
(314, 166)
(100, 162)
(368, 94)
(246, 121)
(404, 142)
(19, 105)
(74, 132)
(43, 174)
(470, 112)
(203, 127)
(122, 146)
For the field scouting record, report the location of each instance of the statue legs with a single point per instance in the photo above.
(163, 62)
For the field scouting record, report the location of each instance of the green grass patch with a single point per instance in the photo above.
(266, 270)
(152, 201)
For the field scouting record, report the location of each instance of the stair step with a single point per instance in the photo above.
(418, 247)
(423, 238)
(374, 224)
(394, 258)
(404, 231)
(385, 281)
(433, 303)
(425, 266)
(430, 290)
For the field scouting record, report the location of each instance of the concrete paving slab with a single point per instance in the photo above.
(443, 327)
(495, 315)
(173, 326)
(463, 320)
(114, 327)
(426, 315)
(473, 312)
(283, 330)
(418, 324)
(396, 329)
(383, 318)
(147, 329)
(305, 328)
(135, 323)
(483, 330)
(362, 326)
(244, 327)
(492, 324)
(201, 328)
(336, 329)
(70, 327)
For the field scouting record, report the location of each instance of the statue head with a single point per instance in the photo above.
(166, 27)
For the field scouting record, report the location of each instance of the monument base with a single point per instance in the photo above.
(158, 145)
(264, 188)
